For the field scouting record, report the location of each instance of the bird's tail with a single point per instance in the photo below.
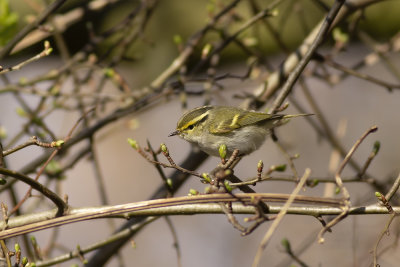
(296, 115)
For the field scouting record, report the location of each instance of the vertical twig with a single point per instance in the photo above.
(384, 231)
(280, 216)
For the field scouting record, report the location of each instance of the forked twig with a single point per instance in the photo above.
(343, 189)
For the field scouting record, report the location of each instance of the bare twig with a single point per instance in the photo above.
(175, 238)
(384, 231)
(294, 75)
(119, 235)
(31, 26)
(5, 252)
(343, 189)
(62, 207)
(371, 156)
(280, 216)
(366, 77)
(393, 189)
(47, 50)
(33, 141)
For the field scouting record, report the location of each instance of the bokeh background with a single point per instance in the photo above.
(209, 240)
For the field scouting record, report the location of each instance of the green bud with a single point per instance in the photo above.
(314, 183)
(177, 39)
(22, 81)
(169, 182)
(206, 177)
(337, 190)
(54, 167)
(33, 240)
(164, 148)
(133, 143)
(17, 247)
(48, 51)
(3, 132)
(109, 72)
(46, 44)
(206, 50)
(280, 168)
(3, 181)
(340, 36)
(377, 146)
(286, 244)
(285, 106)
(59, 143)
(222, 151)
(193, 192)
(207, 189)
(274, 12)
(21, 112)
(378, 195)
(260, 166)
(228, 186)
(24, 261)
(228, 172)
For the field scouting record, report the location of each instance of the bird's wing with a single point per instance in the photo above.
(240, 119)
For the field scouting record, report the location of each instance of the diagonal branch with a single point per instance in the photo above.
(31, 26)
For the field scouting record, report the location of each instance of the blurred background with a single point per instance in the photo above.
(118, 56)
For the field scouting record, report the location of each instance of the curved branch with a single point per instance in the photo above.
(62, 207)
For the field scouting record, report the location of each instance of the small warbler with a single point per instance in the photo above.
(209, 127)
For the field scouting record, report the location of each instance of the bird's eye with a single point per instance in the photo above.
(190, 127)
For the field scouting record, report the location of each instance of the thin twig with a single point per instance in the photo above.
(343, 189)
(33, 141)
(384, 231)
(158, 168)
(31, 26)
(175, 238)
(362, 76)
(294, 75)
(47, 50)
(5, 252)
(279, 218)
(119, 235)
(62, 207)
(41, 170)
(393, 189)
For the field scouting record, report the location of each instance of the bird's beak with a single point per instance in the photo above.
(174, 133)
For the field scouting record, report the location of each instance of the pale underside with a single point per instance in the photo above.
(246, 140)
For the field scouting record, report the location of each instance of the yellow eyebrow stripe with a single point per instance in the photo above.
(195, 120)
